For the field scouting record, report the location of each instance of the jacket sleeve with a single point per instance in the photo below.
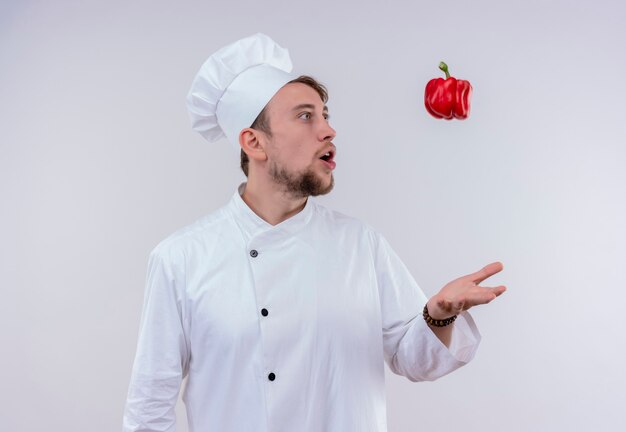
(161, 360)
(411, 348)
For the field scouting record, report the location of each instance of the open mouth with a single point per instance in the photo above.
(328, 156)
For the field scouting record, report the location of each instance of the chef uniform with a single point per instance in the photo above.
(278, 328)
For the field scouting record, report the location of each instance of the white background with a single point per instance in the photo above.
(98, 163)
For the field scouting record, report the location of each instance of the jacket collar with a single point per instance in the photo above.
(252, 224)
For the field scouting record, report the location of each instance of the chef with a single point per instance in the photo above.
(281, 312)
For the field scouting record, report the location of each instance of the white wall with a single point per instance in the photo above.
(98, 163)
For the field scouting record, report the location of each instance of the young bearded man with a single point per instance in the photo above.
(281, 312)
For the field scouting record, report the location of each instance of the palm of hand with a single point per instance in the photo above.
(464, 292)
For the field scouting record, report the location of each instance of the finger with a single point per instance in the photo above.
(498, 290)
(478, 298)
(486, 294)
(487, 271)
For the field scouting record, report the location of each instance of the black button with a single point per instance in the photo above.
(253, 253)
(264, 312)
(271, 376)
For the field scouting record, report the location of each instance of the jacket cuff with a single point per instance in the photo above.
(465, 338)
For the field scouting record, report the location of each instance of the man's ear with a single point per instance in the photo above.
(250, 142)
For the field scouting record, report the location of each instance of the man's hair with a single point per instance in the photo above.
(261, 123)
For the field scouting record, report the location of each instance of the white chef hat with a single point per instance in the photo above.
(234, 84)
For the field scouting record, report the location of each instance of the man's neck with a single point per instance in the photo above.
(270, 203)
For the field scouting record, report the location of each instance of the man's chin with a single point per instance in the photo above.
(326, 190)
(309, 183)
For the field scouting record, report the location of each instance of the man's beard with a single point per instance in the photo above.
(300, 185)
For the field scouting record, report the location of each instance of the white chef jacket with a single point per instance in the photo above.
(281, 328)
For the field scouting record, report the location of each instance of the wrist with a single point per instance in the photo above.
(435, 310)
(437, 320)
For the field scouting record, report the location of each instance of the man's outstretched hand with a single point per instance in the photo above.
(465, 292)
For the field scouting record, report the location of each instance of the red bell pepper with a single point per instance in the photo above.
(449, 98)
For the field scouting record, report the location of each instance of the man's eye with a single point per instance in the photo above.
(327, 117)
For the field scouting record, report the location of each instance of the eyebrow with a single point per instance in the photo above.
(306, 105)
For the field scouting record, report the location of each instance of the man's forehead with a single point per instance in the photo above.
(307, 105)
(295, 96)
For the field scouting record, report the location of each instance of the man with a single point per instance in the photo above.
(279, 311)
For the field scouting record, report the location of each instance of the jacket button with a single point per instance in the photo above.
(264, 312)
(253, 253)
(271, 376)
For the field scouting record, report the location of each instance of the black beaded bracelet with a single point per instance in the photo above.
(435, 322)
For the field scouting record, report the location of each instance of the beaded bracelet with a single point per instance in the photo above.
(435, 322)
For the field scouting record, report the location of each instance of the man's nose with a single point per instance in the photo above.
(327, 132)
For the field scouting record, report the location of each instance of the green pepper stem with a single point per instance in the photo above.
(444, 67)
